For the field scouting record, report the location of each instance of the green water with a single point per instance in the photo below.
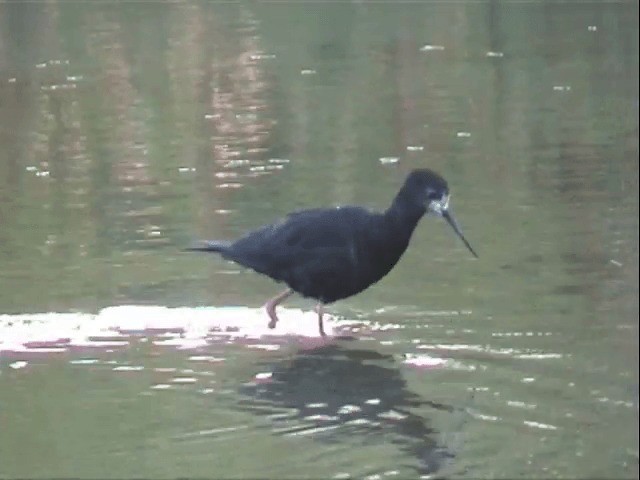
(129, 129)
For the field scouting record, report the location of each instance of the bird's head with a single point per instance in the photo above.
(432, 192)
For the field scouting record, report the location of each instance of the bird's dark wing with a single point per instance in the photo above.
(306, 247)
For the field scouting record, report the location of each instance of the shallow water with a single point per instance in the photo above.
(128, 130)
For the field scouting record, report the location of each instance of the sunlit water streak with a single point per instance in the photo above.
(187, 328)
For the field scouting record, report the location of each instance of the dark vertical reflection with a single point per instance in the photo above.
(16, 113)
(59, 171)
(21, 46)
(20, 42)
(21, 24)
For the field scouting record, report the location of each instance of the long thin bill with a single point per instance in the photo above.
(452, 221)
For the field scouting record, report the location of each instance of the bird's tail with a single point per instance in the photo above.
(208, 246)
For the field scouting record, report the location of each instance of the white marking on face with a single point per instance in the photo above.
(440, 206)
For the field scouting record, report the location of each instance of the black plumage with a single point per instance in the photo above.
(333, 253)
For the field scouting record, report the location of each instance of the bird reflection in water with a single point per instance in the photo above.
(335, 393)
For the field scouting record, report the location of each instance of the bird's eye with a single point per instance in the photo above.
(434, 195)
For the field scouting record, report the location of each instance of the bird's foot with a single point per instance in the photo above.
(270, 307)
(273, 319)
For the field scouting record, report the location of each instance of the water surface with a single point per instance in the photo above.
(128, 130)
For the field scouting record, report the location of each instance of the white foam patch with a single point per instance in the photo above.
(181, 327)
(424, 361)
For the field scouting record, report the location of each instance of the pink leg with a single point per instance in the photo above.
(271, 305)
(320, 310)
